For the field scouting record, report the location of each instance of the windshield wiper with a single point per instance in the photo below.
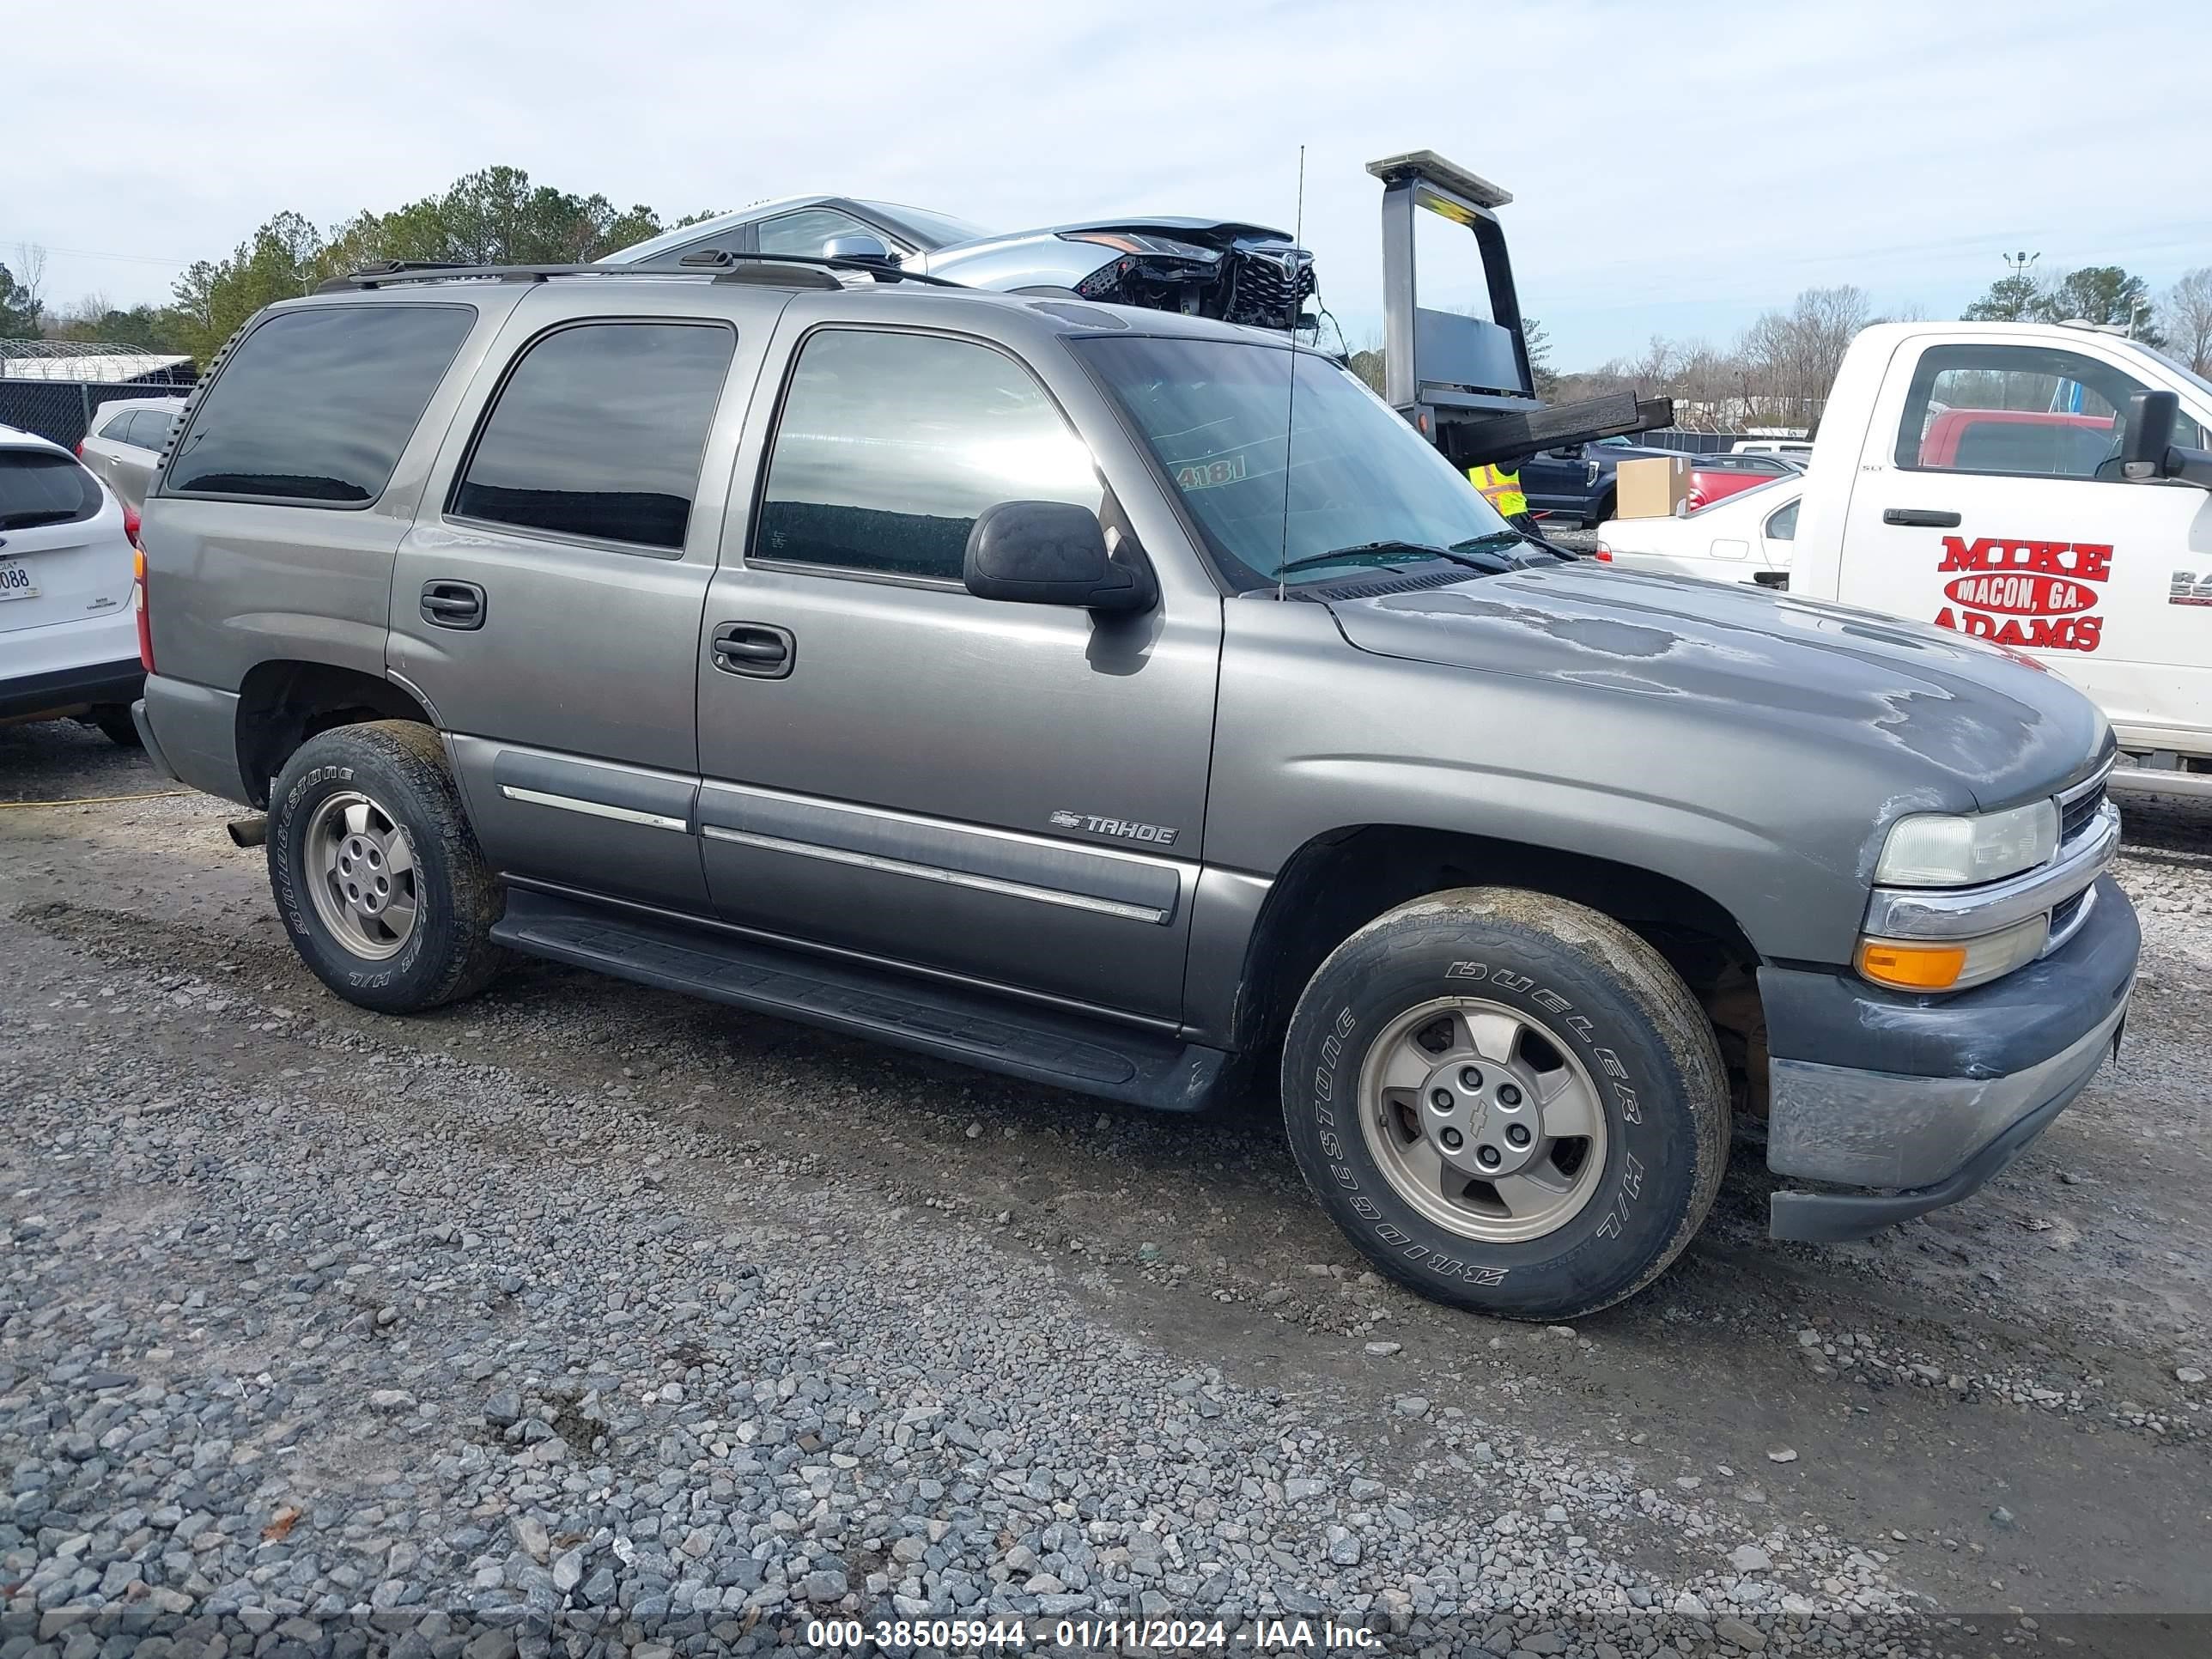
(1490, 566)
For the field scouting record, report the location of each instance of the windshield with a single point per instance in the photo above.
(1363, 484)
(940, 229)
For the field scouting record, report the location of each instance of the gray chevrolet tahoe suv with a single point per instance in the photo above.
(1133, 704)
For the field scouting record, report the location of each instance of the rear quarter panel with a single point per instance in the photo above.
(231, 584)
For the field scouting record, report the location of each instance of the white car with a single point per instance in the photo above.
(69, 634)
(1800, 447)
(1743, 538)
(124, 445)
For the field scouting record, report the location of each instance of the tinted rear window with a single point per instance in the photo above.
(316, 405)
(598, 431)
(39, 487)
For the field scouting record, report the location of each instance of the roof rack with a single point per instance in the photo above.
(776, 269)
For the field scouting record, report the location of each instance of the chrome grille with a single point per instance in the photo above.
(2076, 815)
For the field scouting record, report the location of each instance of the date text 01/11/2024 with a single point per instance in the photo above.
(1167, 1635)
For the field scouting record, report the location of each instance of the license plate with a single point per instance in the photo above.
(15, 582)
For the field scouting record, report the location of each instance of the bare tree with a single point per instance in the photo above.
(31, 273)
(2184, 313)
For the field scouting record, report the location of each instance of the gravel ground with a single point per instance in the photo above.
(584, 1319)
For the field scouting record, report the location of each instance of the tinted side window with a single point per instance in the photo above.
(1781, 526)
(598, 431)
(149, 428)
(890, 444)
(316, 405)
(117, 427)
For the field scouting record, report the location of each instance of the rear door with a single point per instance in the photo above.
(547, 602)
(109, 434)
(62, 556)
(130, 463)
(1988, 500)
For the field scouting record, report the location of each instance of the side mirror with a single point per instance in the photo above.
(858, 245)
(2147, 451)
(2149, 434)
(1051, 553)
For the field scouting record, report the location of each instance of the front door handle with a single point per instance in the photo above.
(452, 604)
(760, 650)
(1920, 518)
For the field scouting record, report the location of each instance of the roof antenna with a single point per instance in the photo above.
(1291, 402)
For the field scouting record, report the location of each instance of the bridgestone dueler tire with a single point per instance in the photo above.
(1643, 1038)
(401, 766)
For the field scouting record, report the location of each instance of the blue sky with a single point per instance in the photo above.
(1676, 169)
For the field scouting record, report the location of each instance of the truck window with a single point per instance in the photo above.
(598, 431)
(2020, 410)
(890, 444)
(315, 405)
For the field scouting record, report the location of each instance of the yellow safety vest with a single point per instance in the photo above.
(1500, 488)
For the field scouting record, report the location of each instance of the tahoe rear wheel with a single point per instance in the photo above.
(1509, 1102)
(376, 872)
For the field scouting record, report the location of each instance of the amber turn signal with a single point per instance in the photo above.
(1911, 966)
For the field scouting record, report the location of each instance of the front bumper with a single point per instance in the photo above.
(1925, 1098)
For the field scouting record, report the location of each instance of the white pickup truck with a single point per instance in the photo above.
(1983, 476)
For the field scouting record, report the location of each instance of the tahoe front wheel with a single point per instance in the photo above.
(1509, 1102)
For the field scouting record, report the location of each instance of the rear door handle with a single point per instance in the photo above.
(1920, 518)
(452, 604)
(759, 650)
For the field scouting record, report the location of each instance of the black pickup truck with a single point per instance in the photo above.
(1576, 480)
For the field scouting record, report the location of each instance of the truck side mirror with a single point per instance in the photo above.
(1051, 553)
(2150, 436)
(2147, 451)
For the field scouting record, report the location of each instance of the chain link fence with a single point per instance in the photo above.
(64, 410)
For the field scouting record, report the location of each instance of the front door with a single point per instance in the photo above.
(547, 600)
(1558, 480)
(1988, 500)
(892, 766)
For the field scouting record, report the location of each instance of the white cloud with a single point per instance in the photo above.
(1675, 168)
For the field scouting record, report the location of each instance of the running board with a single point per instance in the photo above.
(952, 1022)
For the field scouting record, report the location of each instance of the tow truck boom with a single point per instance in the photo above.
(1465, 382)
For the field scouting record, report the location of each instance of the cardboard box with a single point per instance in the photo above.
(1654, 487)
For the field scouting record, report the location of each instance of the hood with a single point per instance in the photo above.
(1955, 714)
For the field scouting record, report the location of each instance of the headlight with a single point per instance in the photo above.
(1933, 850)
(1952, 964)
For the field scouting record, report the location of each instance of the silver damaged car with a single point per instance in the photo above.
(1222, 269)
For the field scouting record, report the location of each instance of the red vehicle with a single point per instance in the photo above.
(2017, 441)
(1715, 477)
